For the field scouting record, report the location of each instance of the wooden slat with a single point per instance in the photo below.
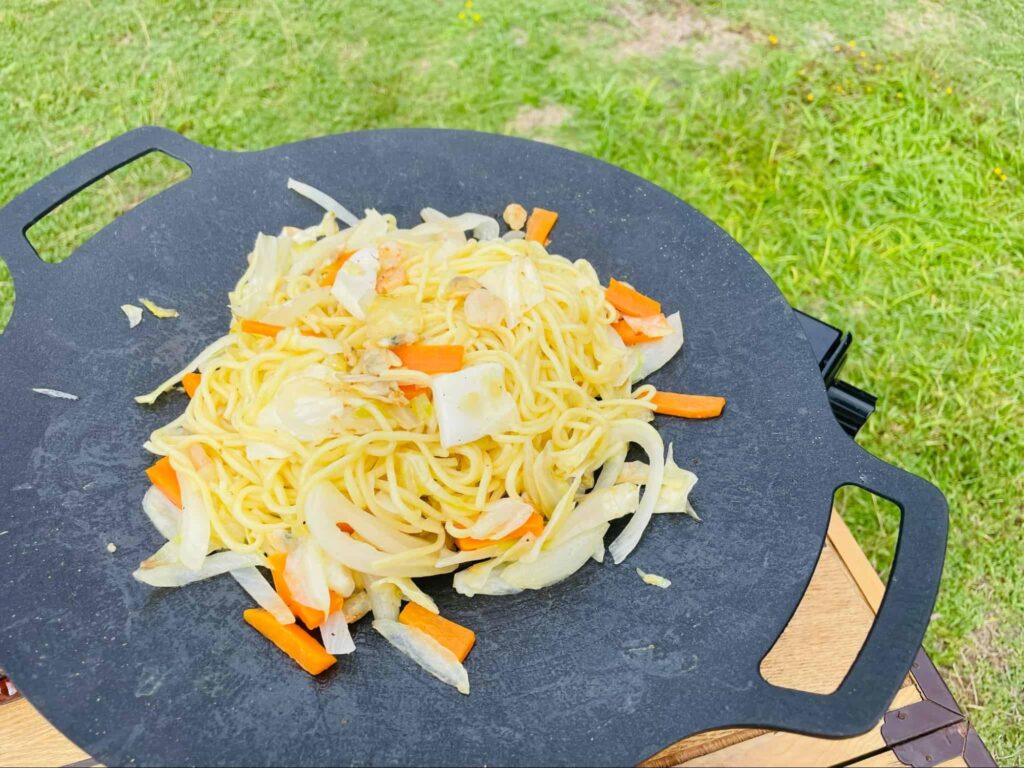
(826, 633)
(28, 739)
(857, 563)
(778, 748)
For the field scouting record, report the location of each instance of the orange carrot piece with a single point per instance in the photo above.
(332, 271)
(261, 329)
(311, 617)
(301, 647)
(540, 224)
(268, 329)
(534, 524)
(190, 381)
(163, 476)
(455, 637)
(629, 301)
(346, 528)
(412, 391)
(688, 406)
(430, 358)
(628, 335)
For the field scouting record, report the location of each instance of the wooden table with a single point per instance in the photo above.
(923, 727)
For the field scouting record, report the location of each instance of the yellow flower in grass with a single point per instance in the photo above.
(809, 97)
(949, 90)
(852, 44)
(773, 40)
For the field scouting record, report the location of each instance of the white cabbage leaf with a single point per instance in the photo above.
(425, 651)
(263, 592)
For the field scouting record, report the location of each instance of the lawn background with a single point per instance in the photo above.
(868, 155)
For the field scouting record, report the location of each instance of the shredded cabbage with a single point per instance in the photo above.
(336, 635)
(260, 590)
(425, 651)
(165, 569)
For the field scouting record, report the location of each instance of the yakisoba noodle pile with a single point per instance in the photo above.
(396, 403)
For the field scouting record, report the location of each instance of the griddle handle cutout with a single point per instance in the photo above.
(889, 650)
(64, 183)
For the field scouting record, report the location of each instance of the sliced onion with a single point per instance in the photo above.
(597, 508)
(410, 592)
(356, 606)
(611, 470)
(500, 519)
(654, 354)
(646, 437)
(305, 576)
(514, 234)
(447, 557)
(322, 517)
(162, 512)
(385, 599)
(492, 584)
(159, 571)
(195, 524)
(339, 578)
(425, 651)
(555, 564)
(324, 200)
(477, 579)
(376, 532)
(336, 636)
(260, 590)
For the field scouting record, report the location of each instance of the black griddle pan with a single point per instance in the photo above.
(599, 669)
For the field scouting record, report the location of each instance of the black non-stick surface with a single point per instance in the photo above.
(598, 669)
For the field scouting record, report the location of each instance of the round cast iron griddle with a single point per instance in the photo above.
(599, 669)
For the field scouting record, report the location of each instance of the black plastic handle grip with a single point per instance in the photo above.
(65, 182)
(896, 634)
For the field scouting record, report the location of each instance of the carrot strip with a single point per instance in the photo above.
(311, 617)
(430, 358)
(190, 381)
(534, 525)
(629, 301)
(628, 335)
(346, 528)
(540, 224)
(261, 329)
(455, 637)
(303, 649)
(412, 391)
(331, 274)
(268, 329)
(688, 406)
(163, 476)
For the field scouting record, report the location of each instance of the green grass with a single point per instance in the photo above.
(875, 206)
